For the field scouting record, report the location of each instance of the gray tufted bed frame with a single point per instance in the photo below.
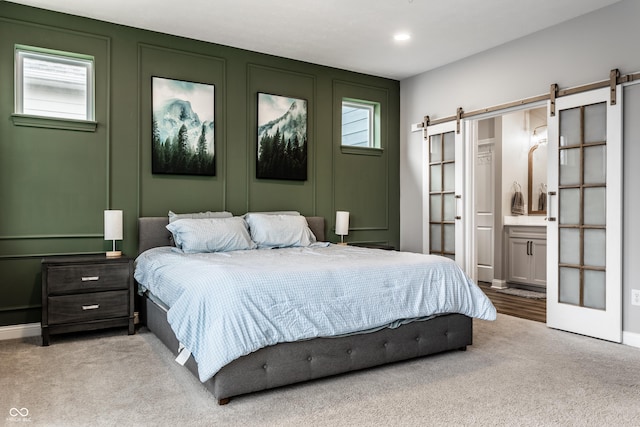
(289, 363)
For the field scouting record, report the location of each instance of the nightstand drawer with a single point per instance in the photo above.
(87, 307)
(86, 278)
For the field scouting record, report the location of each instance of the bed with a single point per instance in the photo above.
(289, 362)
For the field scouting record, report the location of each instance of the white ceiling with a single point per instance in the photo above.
(355, 35)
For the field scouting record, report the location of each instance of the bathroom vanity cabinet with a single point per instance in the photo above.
(527, 255)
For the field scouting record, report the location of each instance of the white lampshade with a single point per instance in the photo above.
(113, 229)
(112, 225)
(342, 223)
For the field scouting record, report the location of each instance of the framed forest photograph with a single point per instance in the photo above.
(183, 127)
(282, 138)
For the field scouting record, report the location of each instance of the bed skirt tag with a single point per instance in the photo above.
(183, 355)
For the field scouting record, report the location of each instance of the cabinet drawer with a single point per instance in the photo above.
(88, 306)
(86, 278)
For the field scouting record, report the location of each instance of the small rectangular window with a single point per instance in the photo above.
(358, 127)
(54, 84)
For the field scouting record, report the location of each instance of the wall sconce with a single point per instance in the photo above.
(113, 230)
(539, 135)
(342, 225)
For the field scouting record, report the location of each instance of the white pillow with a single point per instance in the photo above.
(211, 234)
(198, 215)
(279, 231)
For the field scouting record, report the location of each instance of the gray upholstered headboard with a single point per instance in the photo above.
(152, 231)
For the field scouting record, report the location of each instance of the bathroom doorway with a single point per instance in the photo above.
(508, 182)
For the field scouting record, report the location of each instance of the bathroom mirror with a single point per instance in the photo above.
(538, 179)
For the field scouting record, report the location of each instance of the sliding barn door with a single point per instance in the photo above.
(584, 272)
(443, 199)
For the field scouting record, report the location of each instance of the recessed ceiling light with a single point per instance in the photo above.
(400, 37)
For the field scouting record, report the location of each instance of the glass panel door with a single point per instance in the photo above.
(582, 221)
(443, 225)
(585, 173)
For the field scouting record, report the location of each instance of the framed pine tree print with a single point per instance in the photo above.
(183, 131)
(282, 138)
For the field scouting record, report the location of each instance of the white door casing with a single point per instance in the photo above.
(570, 284)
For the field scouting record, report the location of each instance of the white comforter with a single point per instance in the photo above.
(226, 305)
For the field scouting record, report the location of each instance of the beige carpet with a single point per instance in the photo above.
(517, 373)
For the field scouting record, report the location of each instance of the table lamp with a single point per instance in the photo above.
(113, 230)
(342, 225)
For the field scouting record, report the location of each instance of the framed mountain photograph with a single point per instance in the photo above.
(282, 138)
(183, 127)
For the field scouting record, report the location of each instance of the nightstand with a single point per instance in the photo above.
(86, 292)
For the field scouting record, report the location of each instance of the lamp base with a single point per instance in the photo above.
(342, 243)
(113, 254)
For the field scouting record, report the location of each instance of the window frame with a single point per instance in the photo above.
(61, 57)
(373, 147)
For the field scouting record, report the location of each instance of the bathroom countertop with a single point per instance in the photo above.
(526, 220)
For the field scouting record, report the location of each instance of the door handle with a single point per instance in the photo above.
(549, 217)
(458, 201)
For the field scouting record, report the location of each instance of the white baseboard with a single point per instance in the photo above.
(499, 284)
(20, 331)
(631, 339)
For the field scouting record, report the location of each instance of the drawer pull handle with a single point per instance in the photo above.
(90, 278)
(91, 307)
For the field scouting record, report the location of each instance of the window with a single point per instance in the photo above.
(358, 124)
(54, 84)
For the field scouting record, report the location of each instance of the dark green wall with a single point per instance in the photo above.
(55, 183)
